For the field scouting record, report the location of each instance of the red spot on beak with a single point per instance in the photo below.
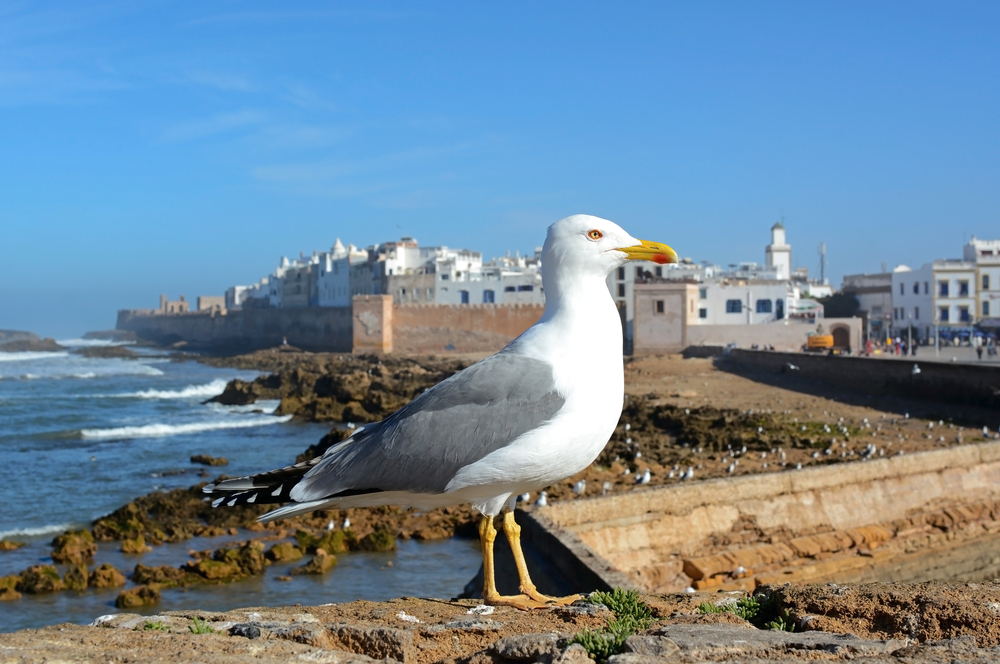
(661, 259)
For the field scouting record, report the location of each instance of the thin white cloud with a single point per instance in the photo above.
(218, 124)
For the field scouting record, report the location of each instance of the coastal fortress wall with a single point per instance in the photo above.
(927, 516)
(315, 329)
(373, 324)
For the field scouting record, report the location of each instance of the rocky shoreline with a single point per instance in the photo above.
(868, 623)
(668, 426)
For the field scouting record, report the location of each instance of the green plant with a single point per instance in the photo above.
(157, 626)
(760, 610)
(201, 627)
(631, 615)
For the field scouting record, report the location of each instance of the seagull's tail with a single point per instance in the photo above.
(263, 488)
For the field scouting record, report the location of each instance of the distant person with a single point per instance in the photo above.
(979, 352)
(868, 348)
(913, 350)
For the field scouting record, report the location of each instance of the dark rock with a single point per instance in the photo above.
(75, 577)
(8, 594)
(163, 576)
(74, 547)
(321, 563)
(138, 596)
(106, 352)
(135, 545)
(7, 336)
(284, 551)
(246, 630)
(527, 647)
(376, 642)
(106, 576)
(40, 579)
(207, 460)
(46, 345)
(382, 538)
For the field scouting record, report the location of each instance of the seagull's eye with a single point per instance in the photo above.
(595, 234)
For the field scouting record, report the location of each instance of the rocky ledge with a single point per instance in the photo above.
(868, 623)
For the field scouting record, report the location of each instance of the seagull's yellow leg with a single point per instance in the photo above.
(513, 533)
(488, 535)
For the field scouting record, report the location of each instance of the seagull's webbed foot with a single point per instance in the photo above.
(513, 533)
(522, 602)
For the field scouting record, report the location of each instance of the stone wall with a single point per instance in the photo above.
(469, 328)
(976, 385)
(314, 329)
(895, 518)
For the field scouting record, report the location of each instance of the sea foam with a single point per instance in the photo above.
(166, 430)
(212, 389)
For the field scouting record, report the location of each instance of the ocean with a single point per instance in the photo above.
(80, 437)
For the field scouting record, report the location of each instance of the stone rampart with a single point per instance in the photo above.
(316, 329)
(465, 328)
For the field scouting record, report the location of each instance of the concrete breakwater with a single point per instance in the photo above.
(928, 516)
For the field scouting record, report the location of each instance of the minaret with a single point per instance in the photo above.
(778, 255)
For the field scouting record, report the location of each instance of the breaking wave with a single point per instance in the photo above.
(36, 532)
(166, 430)
(212, 389)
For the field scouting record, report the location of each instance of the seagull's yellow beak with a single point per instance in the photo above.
(650, 251)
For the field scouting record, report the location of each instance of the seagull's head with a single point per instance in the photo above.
(587, 244)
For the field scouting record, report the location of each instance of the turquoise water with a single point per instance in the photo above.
(80, 437)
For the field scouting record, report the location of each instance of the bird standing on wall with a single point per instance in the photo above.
(535, 413)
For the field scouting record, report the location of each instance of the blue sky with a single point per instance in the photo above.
(180, 147)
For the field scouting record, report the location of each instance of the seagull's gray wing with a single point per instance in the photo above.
(422, 446)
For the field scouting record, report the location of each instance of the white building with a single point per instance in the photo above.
(738, 302)
(334, 284)
(986, 255)
(941, 293)
(778, 254)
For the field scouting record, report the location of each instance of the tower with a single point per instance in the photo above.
(778, 255)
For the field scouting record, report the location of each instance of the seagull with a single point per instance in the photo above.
(537, 412)
(543, 500)
(347, 523)
(644, 478)
(579, 487)
(915, 370)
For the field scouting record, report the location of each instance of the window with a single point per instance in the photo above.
(986, 309)
(659, 271)
(916, 313)
(902, 289)
(430, 293)
(621, 274)
(621, 290)
(703, 313)
(876, 312)
(916, 288)
(943, 288)
(638, 273)
(943, 314)
(895, 313)
(763, 306)
(963, 288)
(963, 314)
(927, 288)
(734, 306)
(444, 277)
(509, 289)
(465, 296)
(779, 309)
(702, 293)
(659, 306)
(525, 287)
(488, 297)
(986, 282)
